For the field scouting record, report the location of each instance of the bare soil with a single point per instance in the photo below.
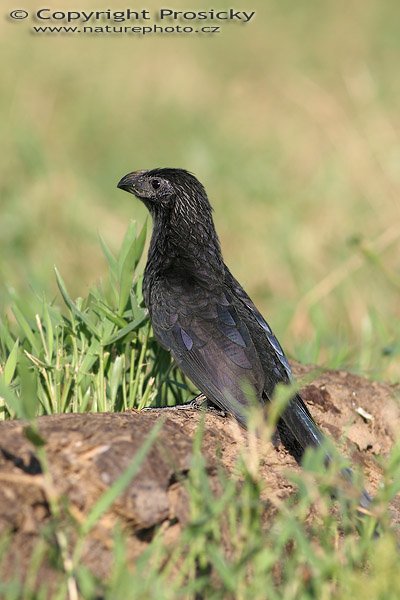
(87, 453)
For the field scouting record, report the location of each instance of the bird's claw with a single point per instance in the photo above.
(200, 402)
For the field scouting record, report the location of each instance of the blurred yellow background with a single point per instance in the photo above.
(291, 122)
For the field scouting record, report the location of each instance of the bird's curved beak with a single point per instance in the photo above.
(132, 182)
(127, 182)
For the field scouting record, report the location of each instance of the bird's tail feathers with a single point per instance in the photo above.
(301, 424)
(307, 433)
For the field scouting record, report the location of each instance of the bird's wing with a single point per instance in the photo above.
(209, 342)
(272, 340)
(296, 416)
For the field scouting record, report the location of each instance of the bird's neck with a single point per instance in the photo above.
(186, 244)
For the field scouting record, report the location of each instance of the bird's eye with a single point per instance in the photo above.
(156, 183)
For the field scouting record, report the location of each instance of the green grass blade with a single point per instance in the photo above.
(49, 329)
(140, 242)
(112, 261)
(5, 337)
(71, 305)
(129, 257)
(128, 329)
(115, 378)
(11, 364)
(127, 242)
(104, 310)
(26, 328)
(11, 399)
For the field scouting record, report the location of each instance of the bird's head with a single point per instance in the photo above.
(163, 188)
(182, 214)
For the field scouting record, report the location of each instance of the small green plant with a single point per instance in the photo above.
(98, 354)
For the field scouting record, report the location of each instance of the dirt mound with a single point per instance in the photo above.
(87, 452)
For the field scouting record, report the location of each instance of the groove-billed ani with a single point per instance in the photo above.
(202, 315)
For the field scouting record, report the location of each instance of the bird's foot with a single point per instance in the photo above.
(197, 403)
(200, 402)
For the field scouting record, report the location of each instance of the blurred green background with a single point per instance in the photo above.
(292, 123)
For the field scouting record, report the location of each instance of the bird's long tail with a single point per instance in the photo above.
(307, 433)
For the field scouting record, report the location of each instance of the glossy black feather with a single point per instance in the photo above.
(202, 315)
(199, 311)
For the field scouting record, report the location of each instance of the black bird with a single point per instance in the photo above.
(202, 315)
